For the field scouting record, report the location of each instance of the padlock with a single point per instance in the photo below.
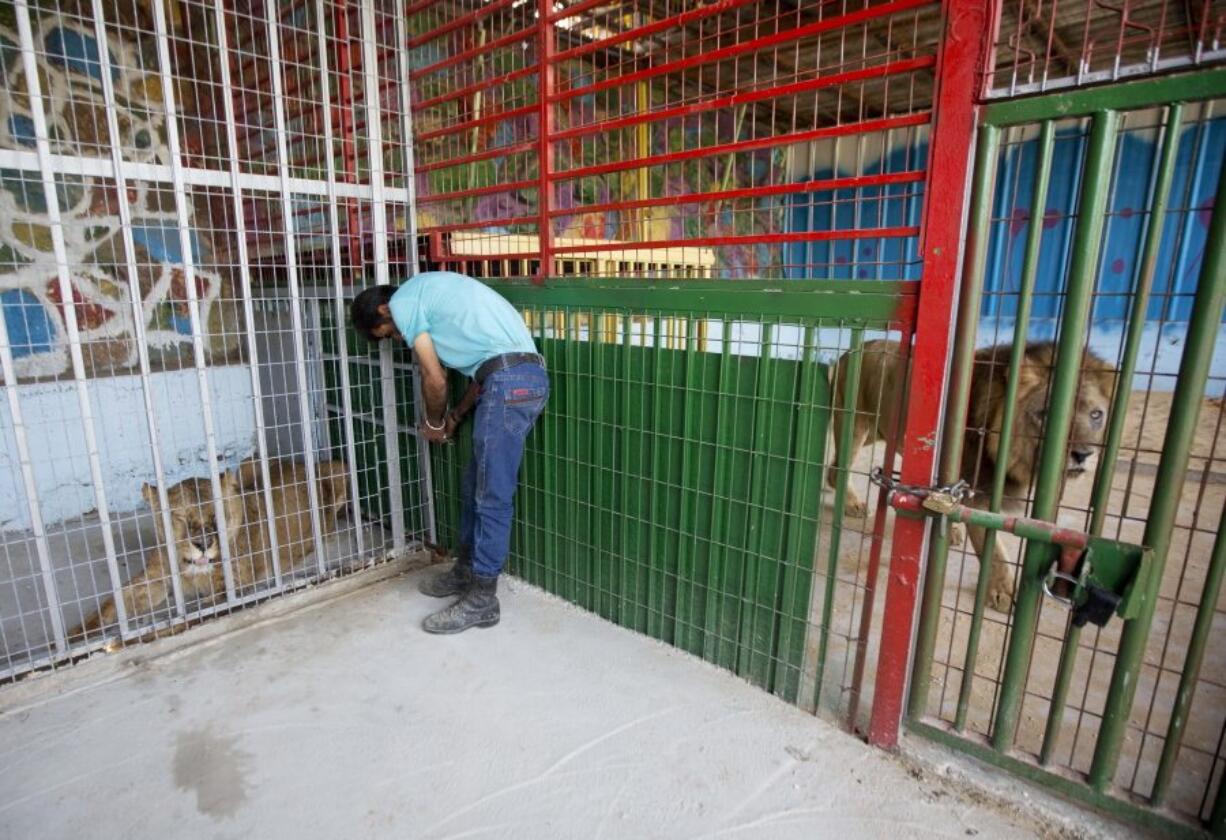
(939, 502)
(1098, 607)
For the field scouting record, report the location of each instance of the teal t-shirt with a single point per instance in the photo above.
(467, 320)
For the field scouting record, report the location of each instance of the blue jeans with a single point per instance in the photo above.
(509, 404)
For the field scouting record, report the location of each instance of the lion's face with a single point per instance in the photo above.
(1088, 427)
(1089, 424)
(1085, 434)
(193, 520)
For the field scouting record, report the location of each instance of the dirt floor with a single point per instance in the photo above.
(345, 720)
(1203, 496)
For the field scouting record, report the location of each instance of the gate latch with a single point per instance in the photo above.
(1081, 593)
(1092, 576)
(1099, 581)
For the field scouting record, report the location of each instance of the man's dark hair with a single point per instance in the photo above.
(364, 311)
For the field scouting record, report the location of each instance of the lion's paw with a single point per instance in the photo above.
(854, 507)
(1000, 594)
(957, 534)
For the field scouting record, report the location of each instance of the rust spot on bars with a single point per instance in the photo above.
(1070, 538)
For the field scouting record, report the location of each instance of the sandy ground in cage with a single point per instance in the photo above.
(78, 555)
(343, 719)
(1202, 502)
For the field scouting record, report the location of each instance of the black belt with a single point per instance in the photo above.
(505, 361)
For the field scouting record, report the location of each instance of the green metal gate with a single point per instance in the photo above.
(1107, 714)
(675, 485)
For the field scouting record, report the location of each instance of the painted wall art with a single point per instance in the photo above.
(31, 299)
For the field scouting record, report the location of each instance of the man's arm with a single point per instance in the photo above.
(433, 379)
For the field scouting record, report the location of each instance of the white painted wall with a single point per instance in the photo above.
(57, 443)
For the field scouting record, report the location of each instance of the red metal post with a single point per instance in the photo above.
(746, 239)
(512, 186)
(963, 49)
(472, 52)
(576, 9)
(488, 154)
(667, 24)
(469, 90)
(477, 224)
(467, 125)
(458, 22)
(545, 127)
(419, 6)
(851, 182)
(690, 109)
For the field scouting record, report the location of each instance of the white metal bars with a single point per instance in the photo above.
(137, 298)
(291, 267)
(189, 283)
(64, 279)
(406, 134)
(202, 192)
(244, 271)
(374, 128)
(338, 280)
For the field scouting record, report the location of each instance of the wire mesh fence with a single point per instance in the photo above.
(677, 483)
(729, 140)
(1057, 44)
(190, 192)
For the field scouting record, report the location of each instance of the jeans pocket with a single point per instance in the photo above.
(521, 406)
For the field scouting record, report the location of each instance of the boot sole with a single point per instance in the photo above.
(434, 593)
(431, 588)
(452, 631)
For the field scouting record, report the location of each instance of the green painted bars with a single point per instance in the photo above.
(674, 484)
(1094, 781)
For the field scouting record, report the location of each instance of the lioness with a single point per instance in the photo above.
(197, 541)
(877, 406)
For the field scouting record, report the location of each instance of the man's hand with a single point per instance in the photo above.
(450, 424)
(443, 435)
(432, 435)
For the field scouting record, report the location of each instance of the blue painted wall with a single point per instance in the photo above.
(889, 206)
(1202, 151)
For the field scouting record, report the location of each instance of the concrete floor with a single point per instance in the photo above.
(344, 720)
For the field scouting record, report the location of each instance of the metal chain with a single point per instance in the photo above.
(959, 491)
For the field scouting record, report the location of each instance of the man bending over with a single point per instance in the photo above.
(454, 321)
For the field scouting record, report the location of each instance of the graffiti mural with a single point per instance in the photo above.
(70, 68)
